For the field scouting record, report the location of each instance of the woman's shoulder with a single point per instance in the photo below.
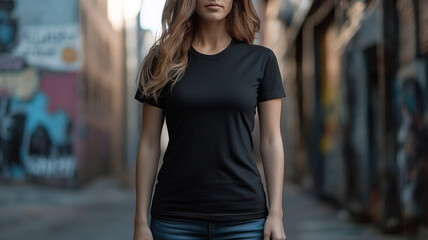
(256, 48)
(256, 51)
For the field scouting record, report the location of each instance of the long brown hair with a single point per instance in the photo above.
(167, 58)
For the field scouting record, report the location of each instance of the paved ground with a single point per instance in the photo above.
(307, 218)
(104, 210)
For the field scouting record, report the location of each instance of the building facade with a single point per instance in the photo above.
(103, 88)
(356, 123)
(61, 92)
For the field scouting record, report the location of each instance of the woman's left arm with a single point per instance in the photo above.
(272, 153)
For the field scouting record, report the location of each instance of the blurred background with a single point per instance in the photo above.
(354, 121)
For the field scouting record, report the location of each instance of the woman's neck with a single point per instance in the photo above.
(211, 36)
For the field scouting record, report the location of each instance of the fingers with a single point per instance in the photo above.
(272, 236)
(266, 235)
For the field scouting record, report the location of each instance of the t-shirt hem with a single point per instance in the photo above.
(210, 217)
(272, 96)
(143, 99)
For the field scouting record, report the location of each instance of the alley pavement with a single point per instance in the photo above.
(308, 218)
(103, 209)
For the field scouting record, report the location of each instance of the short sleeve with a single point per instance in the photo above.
(140, 97)
(271, 85)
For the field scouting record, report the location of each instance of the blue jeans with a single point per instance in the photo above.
(166, 229)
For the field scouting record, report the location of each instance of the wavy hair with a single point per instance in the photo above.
(167, 59)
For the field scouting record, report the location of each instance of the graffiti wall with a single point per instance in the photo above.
(51, 47)
(411, 112)
(411, 138)
(38, 98)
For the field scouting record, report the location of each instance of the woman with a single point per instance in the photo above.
(206, 78)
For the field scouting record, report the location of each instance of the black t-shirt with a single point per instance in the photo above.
(209, 170)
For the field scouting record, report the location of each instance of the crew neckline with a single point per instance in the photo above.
(212, 56)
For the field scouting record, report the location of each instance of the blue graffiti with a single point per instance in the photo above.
(8, 26)
(55, 124)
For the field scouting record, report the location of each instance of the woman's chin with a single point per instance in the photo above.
(212, 17)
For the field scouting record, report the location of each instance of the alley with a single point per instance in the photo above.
(307, 218)
(104, 210)
(354, 122)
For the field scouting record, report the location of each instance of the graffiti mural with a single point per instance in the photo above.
(11, 132)
(411, 152)
(8, 37)
(14, 85)
(36, 127)
(8, 26)
(46, 148)
(50, 47)
(38, 108)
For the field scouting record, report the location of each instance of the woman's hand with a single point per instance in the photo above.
(142, 232)
(274, 228)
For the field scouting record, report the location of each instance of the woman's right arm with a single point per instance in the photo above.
(146, 167)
